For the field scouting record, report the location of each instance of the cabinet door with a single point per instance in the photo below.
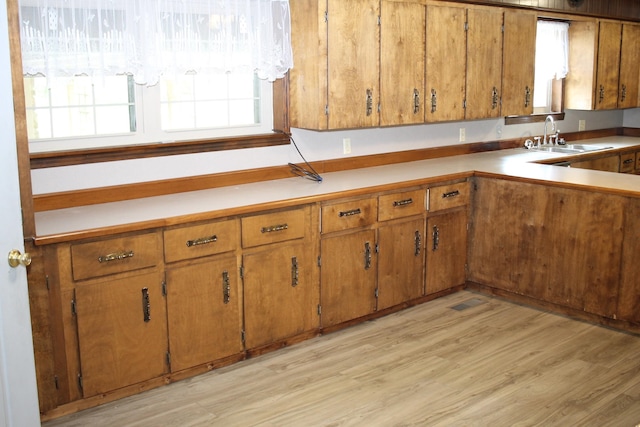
(402, 61)
(446, 251)
(608, 65)
(518, 62)
(354, 56)
(348, 277)
(446, 63)
(400, 263)
(204, 312)
(629, 92)
(122, 332)
(280, 299)
(484, 63)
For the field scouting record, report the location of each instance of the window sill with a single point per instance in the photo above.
(98, 155)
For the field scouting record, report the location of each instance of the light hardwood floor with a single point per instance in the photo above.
(491, 364)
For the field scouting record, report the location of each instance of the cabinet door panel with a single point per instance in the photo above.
(348, 282)
(484, 66)
(518, 62)
(400, 263)
(122, 332)
(446, 63)
(629, 69)
(446, 251)
(204, 312)
(608, 65)
(280, 299)
(402, 50)
(354, 54)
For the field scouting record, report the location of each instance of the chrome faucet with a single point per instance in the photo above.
(553, 128)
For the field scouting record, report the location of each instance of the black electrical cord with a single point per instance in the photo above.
(301, 171)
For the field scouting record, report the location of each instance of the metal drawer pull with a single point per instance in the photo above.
(367, 256)
(400, 203)
(294, 272)
(350, 213)
(146, 305)
(117, 256)
(272, 228)
(202, 241)
(436, 238)
(450, 194)
(226, 287)
(628, 161)
(418, 242)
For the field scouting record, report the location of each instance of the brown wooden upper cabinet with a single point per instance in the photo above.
(484, 62)
(336, 48)
(518, 62)
(603, 65)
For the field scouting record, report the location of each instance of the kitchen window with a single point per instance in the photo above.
(551, 66)
(148, 71)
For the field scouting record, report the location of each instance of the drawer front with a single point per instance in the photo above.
(274, 227)
(201, 240)
(448, 196)
(638, 161)
(627, 162)
(117, 255)
(346, 215)
(400, 205)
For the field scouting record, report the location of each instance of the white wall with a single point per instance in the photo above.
(314, 146)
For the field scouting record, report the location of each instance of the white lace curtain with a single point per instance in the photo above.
(150, 38)
(552, 50)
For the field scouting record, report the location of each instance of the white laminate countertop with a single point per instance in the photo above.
(516, 162)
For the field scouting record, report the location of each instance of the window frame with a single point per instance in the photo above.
(279, 136)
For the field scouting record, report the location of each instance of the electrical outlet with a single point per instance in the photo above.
(463, 135)
(582, 125)
(346, 145)
(498, 131)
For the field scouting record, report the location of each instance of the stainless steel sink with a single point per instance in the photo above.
(571, 148)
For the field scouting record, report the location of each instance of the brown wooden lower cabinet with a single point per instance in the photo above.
(122, 331)
(608, 163)
(348, 276)
(629, 294)
(204, 311)
(446, 250)
(554, 244)
(280, 297)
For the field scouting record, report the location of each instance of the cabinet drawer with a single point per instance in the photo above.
(627, 162)
(274, 227)
(201, 240)
(638, 161)
(400, 205)
(117, 255)
(448, 196)
(353, 214)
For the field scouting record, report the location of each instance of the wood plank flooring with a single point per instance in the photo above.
(492, 363)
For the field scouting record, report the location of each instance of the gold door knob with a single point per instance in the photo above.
(16, 258)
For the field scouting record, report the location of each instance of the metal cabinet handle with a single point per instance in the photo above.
(416, 101)
(434, 101)
(295, 273)
(418, 242)
(450, 194)
(146, 305)
(601, 94)
(350, 213)
(273, 228)
(400, 203)
(494, 98)
(527, 96)
(367, 256)
(116, 256)
(226, 287)
(628, 161)
(369, 102)
(436, 238)
(623, 96)
(202, 241)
